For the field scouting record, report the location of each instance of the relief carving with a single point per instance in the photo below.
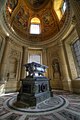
(15, 54)
(13, 68)
(14, 60)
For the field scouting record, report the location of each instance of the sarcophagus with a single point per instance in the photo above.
(35, 86)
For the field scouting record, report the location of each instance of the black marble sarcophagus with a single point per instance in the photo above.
(35, 87)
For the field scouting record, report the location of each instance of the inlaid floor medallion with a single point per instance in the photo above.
(48, 106)
(62, 106)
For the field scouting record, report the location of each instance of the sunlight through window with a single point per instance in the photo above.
(64, 6)
(34, 29)
(35, 26)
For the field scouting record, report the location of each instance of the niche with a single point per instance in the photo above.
(56, 69)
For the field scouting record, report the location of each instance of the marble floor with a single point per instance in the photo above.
(62, 106)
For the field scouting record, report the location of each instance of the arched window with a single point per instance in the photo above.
(64, 5)
(76, 55)
(35, 26)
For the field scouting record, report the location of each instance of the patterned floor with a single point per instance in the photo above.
(63, 106)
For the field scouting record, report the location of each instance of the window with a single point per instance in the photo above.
(35, 56)
(76, 52)
(35, 26)
(63, 7)
(34, 29)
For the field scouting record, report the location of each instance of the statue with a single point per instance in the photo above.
(56, 69)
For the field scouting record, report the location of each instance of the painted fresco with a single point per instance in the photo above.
(47, 18)
(50, 25)
(48, 21)
(36, 3)
(22, 19)
(19, 16)
(12, 4)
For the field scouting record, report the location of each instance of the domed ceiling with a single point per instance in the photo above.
(36, 20)
(36, 4)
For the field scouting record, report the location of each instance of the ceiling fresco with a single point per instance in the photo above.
(36, 3)
(20, 12)
(12, 4)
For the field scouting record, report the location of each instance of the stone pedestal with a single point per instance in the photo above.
(34, 90)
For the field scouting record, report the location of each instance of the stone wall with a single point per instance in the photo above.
(54, 70)
(11, 65)
(58, 58)
(75, 81)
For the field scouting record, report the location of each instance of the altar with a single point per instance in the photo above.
(35, 86)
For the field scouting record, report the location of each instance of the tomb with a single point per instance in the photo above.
(35, 86)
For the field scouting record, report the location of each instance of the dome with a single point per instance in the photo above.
(36, 4)
(49, 15)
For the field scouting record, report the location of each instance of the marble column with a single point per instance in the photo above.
(24, 61)
(75, 4)
(66, 81)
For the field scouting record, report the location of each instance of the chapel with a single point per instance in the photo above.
(40, 37)
(42, 31)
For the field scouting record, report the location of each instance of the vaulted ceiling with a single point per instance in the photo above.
(19, 14)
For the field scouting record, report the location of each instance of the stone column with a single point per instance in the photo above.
(5, 58)
(75, 4)
(3, 68)
(66, 81)
(44, 60)
(24, 61)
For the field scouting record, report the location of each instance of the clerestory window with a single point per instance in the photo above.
(63, 9)
(35, 26)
